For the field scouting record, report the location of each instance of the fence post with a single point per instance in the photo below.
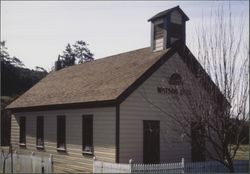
(94, 159)
(11, 158)
(182, 165)
(51, 163)
(17, 162)
(32, 162)
(130, 165)
(42, 165)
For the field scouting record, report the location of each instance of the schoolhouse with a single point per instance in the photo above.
(106, 108)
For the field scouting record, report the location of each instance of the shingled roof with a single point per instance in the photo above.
(100, 80)
(107, 81)
(166, 12)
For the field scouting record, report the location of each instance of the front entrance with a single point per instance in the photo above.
(151, 142)
(197, 142)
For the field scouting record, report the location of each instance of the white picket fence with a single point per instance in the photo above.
(105, 167)
(241, 166)
(175, 168)
(27, 164)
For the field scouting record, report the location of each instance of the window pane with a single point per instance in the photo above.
(22, 130)
(40, 135)
(87, 133)
(61, 143)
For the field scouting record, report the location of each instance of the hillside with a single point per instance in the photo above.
(16, 80)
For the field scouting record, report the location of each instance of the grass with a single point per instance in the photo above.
(242, 153)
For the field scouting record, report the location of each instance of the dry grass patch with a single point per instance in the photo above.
(243, 153)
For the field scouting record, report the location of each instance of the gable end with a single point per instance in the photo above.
(148, 73)
(193, 65)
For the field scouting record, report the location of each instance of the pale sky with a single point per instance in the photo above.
(37, 31)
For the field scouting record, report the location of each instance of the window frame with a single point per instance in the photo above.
(85, 135)
(22, 131)
(61, 133)
(175, 79)
(38, 131)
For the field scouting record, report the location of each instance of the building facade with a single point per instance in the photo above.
(122, 108)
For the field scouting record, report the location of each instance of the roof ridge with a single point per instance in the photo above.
(165, 12)
(101, 59)
(122, 53)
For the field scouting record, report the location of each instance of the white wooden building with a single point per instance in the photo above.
(107, 108)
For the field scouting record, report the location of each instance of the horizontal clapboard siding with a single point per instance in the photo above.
(176, 17)
(158, 36)
(135, 109)
(15, 130)
(158, 44)
(73, 160)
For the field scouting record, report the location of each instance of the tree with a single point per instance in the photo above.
(5, 57)
(206, 118)
(15, 78)
(224, 53)
(78, 54)
(82, 53)
(3, 51)
(41, 69)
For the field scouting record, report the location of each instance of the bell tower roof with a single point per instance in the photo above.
(167, 12)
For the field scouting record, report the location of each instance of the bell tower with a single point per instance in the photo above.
(167, 27)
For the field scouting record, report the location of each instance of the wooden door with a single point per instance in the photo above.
(151, 142)
(197, 142)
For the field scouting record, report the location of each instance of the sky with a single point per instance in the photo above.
(38, 31)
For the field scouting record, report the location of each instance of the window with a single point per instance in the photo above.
(87, 134)
(22, 125)
(39, 132)
(175, 79)
(61, 129)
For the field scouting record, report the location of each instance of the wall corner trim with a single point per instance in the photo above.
(117, 134)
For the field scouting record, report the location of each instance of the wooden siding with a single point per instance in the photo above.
(158, 44)
(158, 21)
(73, 160)
(176, 17)
(135, 109)
(173, 39)
(15, 131)
(156, 41)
